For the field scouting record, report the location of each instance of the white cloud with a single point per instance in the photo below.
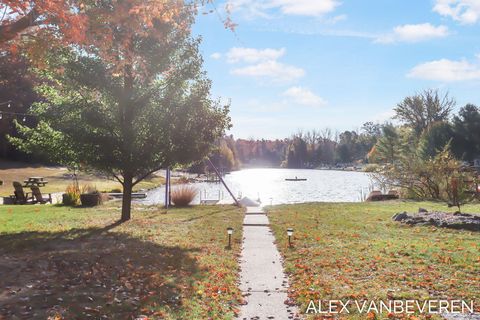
(304, 96)
(262, 63)
(250, 8)
(255, 8)
(216, 55)
(464, 11)
(446, 70)
(252, 55)
(278, 72)
(414, 33)
(334, 20)
(305, 7)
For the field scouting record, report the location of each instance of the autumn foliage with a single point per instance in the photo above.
(105, 25)
(40, 17)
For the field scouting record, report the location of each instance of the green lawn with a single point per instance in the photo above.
(355, 251)
(79, 263)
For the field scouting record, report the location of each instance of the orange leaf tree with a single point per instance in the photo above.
(86, 21)
(38, 16)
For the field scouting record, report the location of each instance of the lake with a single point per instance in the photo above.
(270, 187)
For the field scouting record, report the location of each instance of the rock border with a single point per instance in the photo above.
(457, 220)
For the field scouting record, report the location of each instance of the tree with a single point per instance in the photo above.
(41, 18)
(466, 127)
(297, 152)
(46, 23)
(223, 157)
(346, 149)
(388, 147)
(132, 105)
(422, 110)
(372, 129)
(434, 139)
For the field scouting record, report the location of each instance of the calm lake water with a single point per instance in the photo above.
(270, 187)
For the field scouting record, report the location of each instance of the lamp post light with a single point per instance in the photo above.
(230, 232)
(290, 234)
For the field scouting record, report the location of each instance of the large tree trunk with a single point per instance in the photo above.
(127, 197)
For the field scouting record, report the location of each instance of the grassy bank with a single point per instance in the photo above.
(355, 251)
(80, 263)
(59, 178)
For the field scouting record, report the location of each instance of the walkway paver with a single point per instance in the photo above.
(263, 282)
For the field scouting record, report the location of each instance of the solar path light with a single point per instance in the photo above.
(229, 232)
(290, 234)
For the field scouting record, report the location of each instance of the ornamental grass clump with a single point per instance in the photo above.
(71, 197)
(182, 196)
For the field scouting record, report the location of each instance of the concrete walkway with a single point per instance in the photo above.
(263, 282)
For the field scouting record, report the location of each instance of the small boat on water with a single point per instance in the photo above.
(295, 179)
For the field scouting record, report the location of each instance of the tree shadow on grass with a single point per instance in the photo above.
(198, 217)
(87, 274)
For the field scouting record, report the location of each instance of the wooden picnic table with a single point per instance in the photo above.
(35, 181)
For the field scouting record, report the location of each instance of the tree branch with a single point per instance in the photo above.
(145, 175)
(117, 178)
(11, 30)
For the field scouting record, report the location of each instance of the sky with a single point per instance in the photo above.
(295, 65)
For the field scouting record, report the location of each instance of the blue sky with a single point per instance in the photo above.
(312, 64)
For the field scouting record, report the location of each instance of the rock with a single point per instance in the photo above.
(420, 210)
(400, 216)
(460, 221)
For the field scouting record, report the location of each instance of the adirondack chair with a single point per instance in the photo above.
(20, 197)
(38, 197)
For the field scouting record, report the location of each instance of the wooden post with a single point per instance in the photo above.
(167, 200)
(169, 187)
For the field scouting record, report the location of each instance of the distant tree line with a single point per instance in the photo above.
(309, 149)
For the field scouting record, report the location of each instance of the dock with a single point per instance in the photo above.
(135, 195)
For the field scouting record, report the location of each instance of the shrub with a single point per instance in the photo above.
(182, 196)
(441, 177)
(88, 189)
(71, 196)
